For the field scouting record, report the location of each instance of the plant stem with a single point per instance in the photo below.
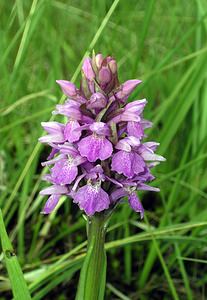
(93, 272)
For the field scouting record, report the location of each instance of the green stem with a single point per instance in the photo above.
(93, 272)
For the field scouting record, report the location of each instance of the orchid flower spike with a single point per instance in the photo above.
(99, 154)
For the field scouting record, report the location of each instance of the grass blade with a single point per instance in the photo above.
(19, 286)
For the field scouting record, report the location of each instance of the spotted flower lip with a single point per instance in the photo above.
(129, 164)
(92, 198)
(99, 154)
(95, 147)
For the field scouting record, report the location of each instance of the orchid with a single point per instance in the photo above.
(98, 154)
(103, 129)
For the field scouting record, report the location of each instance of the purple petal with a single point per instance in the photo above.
(148, 147)
(68, 148)
(50, 204)
(92, 199)
(152, 157)
(113, 66)
(104, 75)
(128, 143)
(136, 106)
(70, 108)
(145, 176)
(135, 129)
(52, 153)
(99, 60)
(126, 89)
(133, 110)
(53, 160)
(52, 138)
(145, 187)
(55, 131)
(127, 163)
(64, 172)
(55, 190)
(146, 124)
(95, 147)
(97, 100)
(68, 88)
(75, 185)
(114, 181)
(87, 69)
(53, 127)
(117, 194)
(136, 204)
(96, 173)
(70, 133)
(130, 85)
(100, 128)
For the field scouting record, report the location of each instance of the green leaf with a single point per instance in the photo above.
(19, 286)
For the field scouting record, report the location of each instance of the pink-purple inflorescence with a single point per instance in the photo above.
(98, 157)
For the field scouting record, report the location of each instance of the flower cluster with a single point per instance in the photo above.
(98, 157)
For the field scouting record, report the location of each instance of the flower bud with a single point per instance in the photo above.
(113, 66)
(99, 60)
(104, 76)
(88, 70)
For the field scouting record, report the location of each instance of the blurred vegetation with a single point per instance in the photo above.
(164, 44)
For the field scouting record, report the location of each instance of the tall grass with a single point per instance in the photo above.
(164, 44)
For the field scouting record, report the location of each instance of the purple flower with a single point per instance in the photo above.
(96, 146)
(70, 109)
(98, 154)
(92, 198)
(134, 201)
(88, 70)
(135, 204)
(127, 163)
(135, 129)
(55, 130)
(126, 89)
(50, 204)
(131, 112)
(97, 101)
(71, 133)
(68, 88)
(64, 171)
(55, 191)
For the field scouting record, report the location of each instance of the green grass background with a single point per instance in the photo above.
(164, 44)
